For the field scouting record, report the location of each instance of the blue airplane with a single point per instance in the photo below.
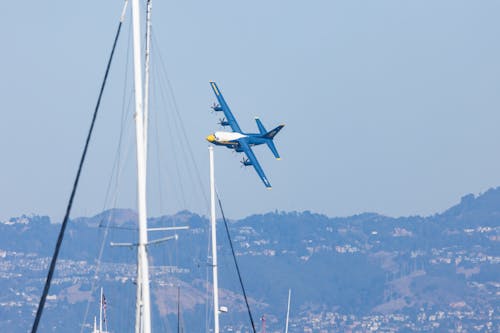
(239, 141)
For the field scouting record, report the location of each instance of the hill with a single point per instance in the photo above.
(361, 272)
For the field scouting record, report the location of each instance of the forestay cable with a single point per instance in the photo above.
(52, 267)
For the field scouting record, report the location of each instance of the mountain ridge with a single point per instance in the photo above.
(468, 204)
(367, 267)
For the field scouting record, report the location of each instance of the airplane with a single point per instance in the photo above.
(240, 141)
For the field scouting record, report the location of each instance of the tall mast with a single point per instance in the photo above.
(214, 241)
(178, 309)
(142, 297)
(288, 310)
(100, 312)
(147, 57)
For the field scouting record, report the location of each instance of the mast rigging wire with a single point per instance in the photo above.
(181, 123)
(166, 96)
(52, 267)
(110, 200)
(236, 264)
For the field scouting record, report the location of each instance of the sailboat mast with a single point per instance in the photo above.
(288, 310)
(100, 312)
(142, 297)
(178, 309)
(214, 241)
(147, 60)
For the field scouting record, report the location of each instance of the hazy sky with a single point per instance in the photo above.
(390, 106)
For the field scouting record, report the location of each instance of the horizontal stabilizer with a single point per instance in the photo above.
(271, 146)
(273, 132)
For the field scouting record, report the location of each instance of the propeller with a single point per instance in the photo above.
(245, 162)
(223, 122)
(216, 107)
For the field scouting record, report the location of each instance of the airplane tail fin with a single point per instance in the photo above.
(261, 127)
(269, 136)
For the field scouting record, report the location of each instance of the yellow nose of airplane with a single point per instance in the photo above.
(211, 138)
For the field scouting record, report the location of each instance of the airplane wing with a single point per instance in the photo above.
(227, 112)
(251, 157)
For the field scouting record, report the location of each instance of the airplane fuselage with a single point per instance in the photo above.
(230, 139)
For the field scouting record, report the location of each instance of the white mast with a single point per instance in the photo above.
(147, 57)
(143, 308)
(100, 313)
(288, 310)
(214, 241)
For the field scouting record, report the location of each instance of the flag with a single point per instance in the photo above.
(104, 307)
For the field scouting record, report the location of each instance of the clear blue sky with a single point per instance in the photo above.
(390, 106)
